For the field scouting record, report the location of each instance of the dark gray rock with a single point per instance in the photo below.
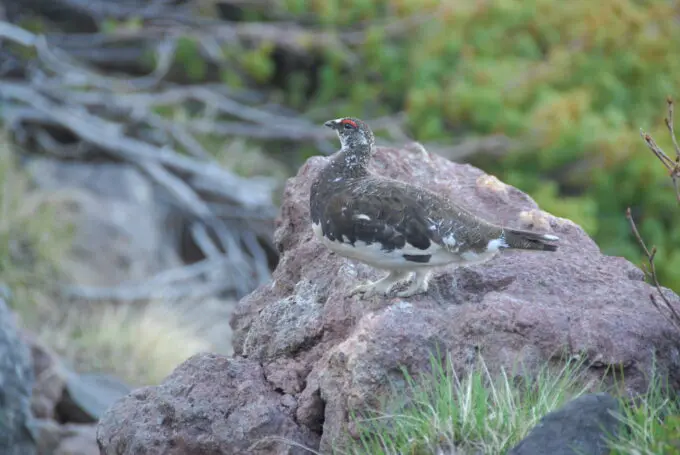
(580, 427)
(62, 394)
(16, 384)
(87, 396)
(66, 404)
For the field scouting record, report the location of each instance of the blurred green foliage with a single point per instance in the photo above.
(667, 437)
(32, 239)
(574, 81)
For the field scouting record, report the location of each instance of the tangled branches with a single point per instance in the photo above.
(230, 216)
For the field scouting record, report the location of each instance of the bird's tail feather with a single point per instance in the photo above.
(526, 240)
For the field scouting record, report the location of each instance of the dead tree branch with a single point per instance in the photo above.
(68, 88)
(650, 274)
(117, 117)
(673, 166)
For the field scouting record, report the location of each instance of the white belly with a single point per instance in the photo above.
(373, 254)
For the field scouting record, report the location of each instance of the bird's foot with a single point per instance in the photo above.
(419, 285)
(413, 289)
(379, 287)
(367, 289)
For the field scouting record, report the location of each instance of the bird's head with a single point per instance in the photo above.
(353, 133)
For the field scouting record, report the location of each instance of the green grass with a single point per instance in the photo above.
(31, 238)
(140, 343)
(483, 413)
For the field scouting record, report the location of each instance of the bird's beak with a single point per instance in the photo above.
(332, 124)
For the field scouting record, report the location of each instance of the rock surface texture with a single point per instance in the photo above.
(17, 435)
(581, 426)
(307, 354)
(209, 405)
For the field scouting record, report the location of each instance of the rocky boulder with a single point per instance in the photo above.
(583, 425)
(209, 405)
(67, 404)
(17, 432)
(300, 340)
(68, 439)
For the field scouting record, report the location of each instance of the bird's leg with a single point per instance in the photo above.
(382, 286)
(419, 284)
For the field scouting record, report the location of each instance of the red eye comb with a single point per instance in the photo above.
(350, 122)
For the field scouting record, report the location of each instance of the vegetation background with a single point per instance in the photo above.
(549, 96)
(571, 83)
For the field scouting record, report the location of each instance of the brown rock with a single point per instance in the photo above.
(521, 306)
(78, 440)
(47, 436)
(314, 354)
(70, 439)
(50, 378)
(17, 433)
(209, 405)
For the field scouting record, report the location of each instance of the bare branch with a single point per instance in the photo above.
(673, 165)
(650, 274)
(121, 121)
(17, 34)
(178, 283)
(669, 125)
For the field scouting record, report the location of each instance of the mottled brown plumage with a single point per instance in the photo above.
(397, 226)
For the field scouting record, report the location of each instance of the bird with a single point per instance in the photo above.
(396, 226)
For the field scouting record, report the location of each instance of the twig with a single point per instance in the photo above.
(650, 273)
(191, 202)
(179, 283)
(109, 136)
(16, 34)
(673, 166)
(147, 292)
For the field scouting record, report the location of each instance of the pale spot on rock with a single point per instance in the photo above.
(492, 183)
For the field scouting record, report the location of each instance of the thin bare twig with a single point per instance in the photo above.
(673, 165)
(194, 281)
(651, 275)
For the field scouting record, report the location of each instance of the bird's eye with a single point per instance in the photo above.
(349, 124)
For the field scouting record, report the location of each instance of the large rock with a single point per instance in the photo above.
(68, 439)
(17, 434)
(209, 405)
(50, 378)
(65, 402)
(582, 426)
(331, 354)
